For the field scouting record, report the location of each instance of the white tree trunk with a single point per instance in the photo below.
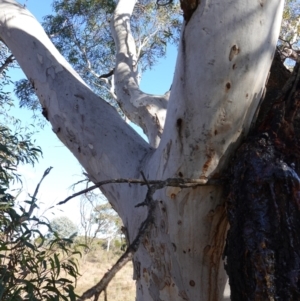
(224, 57)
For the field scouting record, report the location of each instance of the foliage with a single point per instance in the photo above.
(30, 269)
(288, 43)
(63, 227)
(15, 149)
(4, 79)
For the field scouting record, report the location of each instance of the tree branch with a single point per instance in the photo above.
(147, 111)
(85, 123)
(171, 182)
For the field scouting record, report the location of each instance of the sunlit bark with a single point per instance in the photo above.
(219, 79)
(147, 111)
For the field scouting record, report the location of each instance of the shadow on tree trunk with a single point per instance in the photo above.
(263, 244)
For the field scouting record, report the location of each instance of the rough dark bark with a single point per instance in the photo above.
(263, 244)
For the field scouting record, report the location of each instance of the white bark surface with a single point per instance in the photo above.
(147, 111)
(224, 57)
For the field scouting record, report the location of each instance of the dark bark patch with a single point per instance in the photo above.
(188, 7)
(263, 208)
(174, 247)
(192, 283)
(233, 52)
(263, 244)
(179, 123)
(228, 86)
(45, 113)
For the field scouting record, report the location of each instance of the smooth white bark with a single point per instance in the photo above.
(147, 111)
(224, 57)
(220, 76)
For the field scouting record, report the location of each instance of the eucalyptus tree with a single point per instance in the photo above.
(219, 81)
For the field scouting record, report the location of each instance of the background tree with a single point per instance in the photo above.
(288, 44)
(63, 227)
(218, 84)
(98, 219)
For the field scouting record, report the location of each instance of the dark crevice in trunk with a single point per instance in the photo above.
(188, 7)
(263, 207)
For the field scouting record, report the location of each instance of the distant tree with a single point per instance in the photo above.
(64, 227)
(98, 219)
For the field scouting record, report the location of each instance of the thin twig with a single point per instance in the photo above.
(28, 214)
(171, 182)
(33, 198)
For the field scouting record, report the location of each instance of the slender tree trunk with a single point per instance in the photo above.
(219, 80)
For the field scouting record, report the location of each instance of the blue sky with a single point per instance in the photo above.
(66, 169)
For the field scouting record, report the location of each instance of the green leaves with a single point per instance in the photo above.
(15, 149)
(30, 265)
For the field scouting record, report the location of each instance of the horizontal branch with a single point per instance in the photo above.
(170, 182)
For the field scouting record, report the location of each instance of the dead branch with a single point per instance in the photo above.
(26, 215)
(96, 290)
(106, 75)
(173, 182)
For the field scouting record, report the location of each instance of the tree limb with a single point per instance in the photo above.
(147, 111)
